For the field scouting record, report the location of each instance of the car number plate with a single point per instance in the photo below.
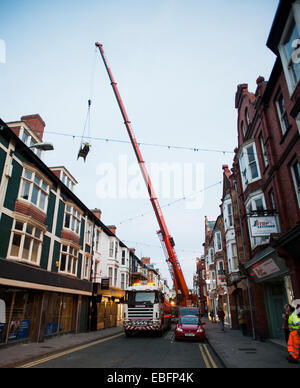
(190, 335)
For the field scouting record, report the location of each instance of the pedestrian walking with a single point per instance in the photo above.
(212, 316)
(242, 321)
(294, 319)
(293, 345)
(221, 316)
(287, 311)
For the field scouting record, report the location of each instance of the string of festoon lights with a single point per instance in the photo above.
(166, 146)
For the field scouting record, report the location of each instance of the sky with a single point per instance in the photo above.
(177, 64)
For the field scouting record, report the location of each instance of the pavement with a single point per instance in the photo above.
(237, 351)
(16, 354)
(232, 348)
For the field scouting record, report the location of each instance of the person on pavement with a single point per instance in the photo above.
(287, 311)
(293, 344)
(221, 316)
(212, 316)
(242, 321)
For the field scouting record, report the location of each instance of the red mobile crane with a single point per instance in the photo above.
(182, 292)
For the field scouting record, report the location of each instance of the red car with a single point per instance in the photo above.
(190, 327)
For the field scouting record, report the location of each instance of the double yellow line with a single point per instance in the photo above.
(57, 355)
(207, 357)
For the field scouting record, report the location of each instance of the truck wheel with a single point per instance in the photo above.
(128, 333)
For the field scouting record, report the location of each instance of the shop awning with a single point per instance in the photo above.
(266, 265)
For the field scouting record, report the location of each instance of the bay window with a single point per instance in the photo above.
(34, 189)
(249, 165)
(72, 219)
(26, 242)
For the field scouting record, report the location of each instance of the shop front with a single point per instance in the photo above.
(107, 306)
(270, 270)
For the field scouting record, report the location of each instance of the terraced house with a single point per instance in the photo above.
(54, 251)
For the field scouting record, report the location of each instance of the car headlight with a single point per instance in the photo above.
(200, 330)
(179, 329)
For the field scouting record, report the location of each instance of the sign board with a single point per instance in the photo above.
(105, 284)
(267, 268)
(263, 226)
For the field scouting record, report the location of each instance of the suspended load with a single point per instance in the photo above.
(85, 146)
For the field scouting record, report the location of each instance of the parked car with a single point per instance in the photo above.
(190, 327)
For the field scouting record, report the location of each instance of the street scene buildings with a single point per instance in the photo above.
(252, 249)
(69, 277)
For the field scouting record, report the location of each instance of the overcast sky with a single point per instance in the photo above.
(177, 64)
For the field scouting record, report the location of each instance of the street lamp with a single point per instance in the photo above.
(38, 146)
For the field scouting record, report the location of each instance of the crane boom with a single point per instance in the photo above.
(166, 240)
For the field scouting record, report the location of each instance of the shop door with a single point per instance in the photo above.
(276, 299)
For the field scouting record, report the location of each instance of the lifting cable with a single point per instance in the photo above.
(85, 144)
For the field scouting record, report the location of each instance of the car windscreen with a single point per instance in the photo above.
(142, 297)
(189, 320)
(187, 311)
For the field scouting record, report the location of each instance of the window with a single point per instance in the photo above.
(116, 277)
(68, 260)
(26, 242)
(282, 113)
(28, 140)
(87, 266)
(123, 281)
(111, 248)
(263, 151)
(243, 128)
(288, 49)
(272, 199)
(295, 169)
(110, 274)
(229, 214)
(249, 165)
(235, 261)
(89, 233)
(72, 219)
(218, 242)
(116, 249)
(34, 189)
(98, 236)
(123, 256)
(67, 181)
(211, 256)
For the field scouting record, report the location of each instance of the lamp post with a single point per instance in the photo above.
(38, 146)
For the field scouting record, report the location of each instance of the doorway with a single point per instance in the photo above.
(275, 297)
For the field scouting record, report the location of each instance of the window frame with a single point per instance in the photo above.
(42, 188)
(77, 217)
(23, 233)
(294, 178)
(246, 171)
(69, 255)
(282, 116)
(294, 16)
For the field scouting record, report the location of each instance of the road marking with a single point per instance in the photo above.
(210, 357)
(204, 357)
(57, 355)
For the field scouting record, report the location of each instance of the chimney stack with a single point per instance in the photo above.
(36, 123)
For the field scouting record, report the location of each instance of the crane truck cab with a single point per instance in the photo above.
(146, 309)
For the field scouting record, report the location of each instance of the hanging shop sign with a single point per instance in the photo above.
(263, 226)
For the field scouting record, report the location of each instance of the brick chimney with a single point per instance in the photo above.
(97, 213)
(145, 260)
(112, 228)
(36, 123)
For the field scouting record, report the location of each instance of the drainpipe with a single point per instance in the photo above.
(244, 250)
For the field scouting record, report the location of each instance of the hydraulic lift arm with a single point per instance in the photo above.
(165, 238)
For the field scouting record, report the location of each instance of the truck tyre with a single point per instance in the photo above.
(128, 333)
